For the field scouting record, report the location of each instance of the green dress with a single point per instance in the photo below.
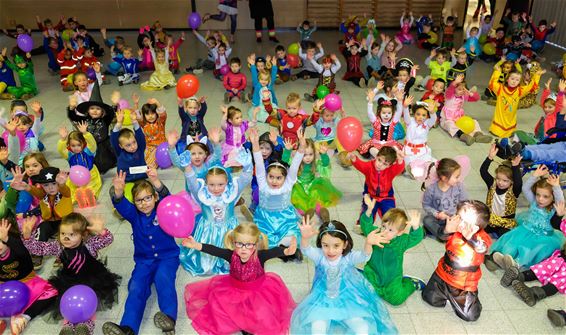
(26, 75)
(311, 190)
(384, 270)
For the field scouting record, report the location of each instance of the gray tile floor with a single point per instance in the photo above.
(503, 312)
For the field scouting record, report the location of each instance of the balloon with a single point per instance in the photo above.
(466, 124)
(537, 45)
(350, 132)
(123, 104)
(194, 20)
(185, 195)
(21, 139)
(78, 304)
(489, 49)
(14, 297)
(322, 91)
(90, 73)
(127, 117)
(175, 216)
(25, 42)
(224, 69)
(433, 37)
(483, 39)
(332, 102)
(512, 56)
(187, 86)
(293, 61)
(79, 175)
(293, 49)
(162, 156)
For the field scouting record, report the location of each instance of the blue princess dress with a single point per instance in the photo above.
(275, 216)
(216, 219)
(340, 297)
(534, 239)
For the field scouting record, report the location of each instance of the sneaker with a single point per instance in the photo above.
(469, 140)
(82, 329)
(509, 262)
(309, 97)
(482, 138)
(163, 322)
(556, 317)
(189, 69)
(306, 77)
(67, 330)
(198, 71)
(517, 148)
(418, 283)
(57, 263)
(510, 275)
(273, 39)
(420, 88)
(18, 324)
(498, 259)
(110, 328)
(226, 98)
(37, 262)
(362, 83)
(7, 96)
(244, 98)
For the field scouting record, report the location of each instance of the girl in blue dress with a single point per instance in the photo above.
(216, 195)
(536, 236)
(341, 299)
(275, 216)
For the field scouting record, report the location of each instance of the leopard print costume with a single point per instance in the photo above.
(510, 208)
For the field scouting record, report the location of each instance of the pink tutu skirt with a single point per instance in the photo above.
(39, 289)
(224, 305)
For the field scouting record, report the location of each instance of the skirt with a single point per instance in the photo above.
(318, 192)
(278, 224)
(224, 305)
(95, 184)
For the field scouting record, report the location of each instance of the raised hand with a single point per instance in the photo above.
(323, 148)
(214, 135)
(120, 117)
(516, 160)
(377, 238)
(562, 85)
(172, 138)
(115, 97)
(560, 208)
(119, 183)
(452, 224)
(408, 101)
(28, 224)
(4, 155)
(36, 107)
(414, 218)
(370, 204)
(82, 126)
(492, 151)
(370, 95)
(307, 227)
(62, 177)
(553, 180)
(302, 139)
(380, 85)
(12, 125)
(96, 224)
(5, 229)
(273, 134)
(547, 85)
(540, 171)
(288, 143)
(63, 132)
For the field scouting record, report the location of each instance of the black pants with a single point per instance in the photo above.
(465, 304)
(549, 288)
(496, 230)
(258, 24)
(39, 307)
(305, 73)
(355, 80)
(47, 229)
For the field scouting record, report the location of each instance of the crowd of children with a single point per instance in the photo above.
(290, 177)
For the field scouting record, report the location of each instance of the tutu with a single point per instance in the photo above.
(277, 224)
(533, 240)
(318, 192)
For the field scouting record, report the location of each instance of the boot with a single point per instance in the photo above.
(511, 274)
(110, 328)
(343, 160)
(482, 138)
(469, 140)
(324, 215)
(226, 98)
(372, 83)
(498, 259)
(490, 263)
(165, 323)
(67, 330)
(530, 295)
(557, 317)
(309, 97)
(37, 262)
(82, 329)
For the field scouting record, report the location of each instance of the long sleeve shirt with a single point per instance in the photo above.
(235, 80)
(454, 105)
(379, 183)
(307, 66)
(127, 160)
(435, 200)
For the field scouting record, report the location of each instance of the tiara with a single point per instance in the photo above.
(277, 164)
(332, 228)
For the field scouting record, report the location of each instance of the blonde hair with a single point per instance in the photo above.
(396, 218)
(249, 229)
(293, 98)
(187, 102)
(76, 135)
(77, 222)
(264, 75)
(310, 144)
(543, 183)
(216, 171)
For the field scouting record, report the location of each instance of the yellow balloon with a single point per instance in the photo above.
(128, 192)
(127, 117)
(433, 37)
(466, 124)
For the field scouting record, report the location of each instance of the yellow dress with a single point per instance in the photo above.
(85, 158)
(161, 77)
(504, 121)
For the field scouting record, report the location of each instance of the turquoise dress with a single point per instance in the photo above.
(275, 216)
(340, 293)
(534, 239)
(216, 219)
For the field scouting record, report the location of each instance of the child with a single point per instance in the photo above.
(235, 128)
(553, 111)
(351, 29)
(514, 24)
(208, 63)
(152, 122)
(313, 191)
(463, 62)
(24, 69)
(541, 33)
(384, 122)
(173, 49)
(426, 38)
(436, 94)
(130, 149)
(292, 119)
(156, 256)
(308, 70)
(406, 71)
(276, 216)
(226, 8)
(340, 297)
(456, 95)
(68, 65)
(6, 80)
(220, 52)
(327, 75)
(458, 273)
(305, 30)
(130, 67)
(439, 68)
(353, 52)
(235, 82)
(506, 66)
(504, 121)
(379, 174)
(405, 34)
(417, 153)
(78, 252)
(325, 127)
(388, 56)
(248, 299)
(52, 45)
(448, 28)
(503, 192)
(549, 272)
(146, 41)
(373, 61)
(472, 45)
(486, 23)
(535, 237)
(283, 68)
(192, 112)
(216, 195)
(161, 78)
(197, 153)
(79, 148)
(440, 200)
(384, 270)
(262, 78)
(98, 117)
(499, 42)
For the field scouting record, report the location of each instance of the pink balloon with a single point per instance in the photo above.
(332, 102)
(224, 69)
(175, 216)
(350, 132)
(79, 175)
(185, 195)
(123, 104)
(21, 139)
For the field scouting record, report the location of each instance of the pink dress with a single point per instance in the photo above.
(382, 133)
(247, 299)
(553, 269)
(405, 34)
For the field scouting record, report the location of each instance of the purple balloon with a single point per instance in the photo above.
(78, 304)
(90, 73)
(162, 156)
(332, 102)
(224, 69)
(25, 42)
(14, 297)
(194, 20)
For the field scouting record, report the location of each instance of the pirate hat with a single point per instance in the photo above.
(95, 100)
(46, 175)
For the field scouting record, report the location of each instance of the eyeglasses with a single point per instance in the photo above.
(241, 245)
(145, 199)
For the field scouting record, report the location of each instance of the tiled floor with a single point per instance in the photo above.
(502, 313)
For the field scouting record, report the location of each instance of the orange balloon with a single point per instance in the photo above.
(187, 86)
(350, 132)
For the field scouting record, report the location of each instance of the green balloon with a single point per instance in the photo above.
(322, 91)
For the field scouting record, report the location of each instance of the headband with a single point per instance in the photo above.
(331, 228)
(203, 140)
(386, 103)
(277, 164)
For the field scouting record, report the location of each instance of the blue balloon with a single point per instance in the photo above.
(537, 45)
(512, 56)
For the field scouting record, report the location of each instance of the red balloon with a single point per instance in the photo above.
(350, 132)
(293, 61)
(187, 86)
